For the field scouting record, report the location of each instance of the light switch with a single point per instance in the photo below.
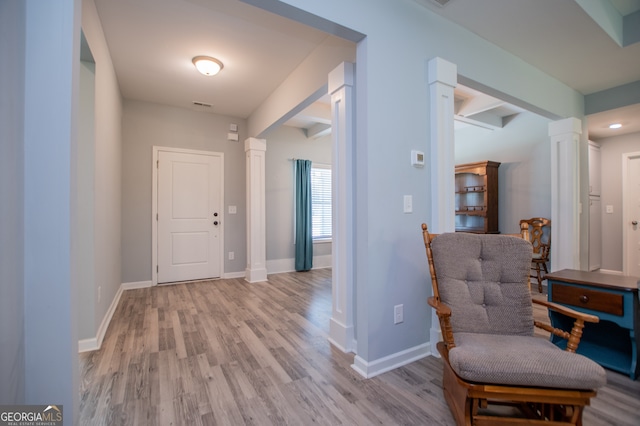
(408, 204)
(609, 208)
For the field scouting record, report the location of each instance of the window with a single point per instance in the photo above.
(321, 202)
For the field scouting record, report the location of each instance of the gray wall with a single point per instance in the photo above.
(145, 125)
(12, 312)
(524, 177)
(86, 201)
(611, 150)
(98, 171)
(50, 203)
(391, 120)
(284, 144)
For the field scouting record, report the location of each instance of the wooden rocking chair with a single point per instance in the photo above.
(491, 358)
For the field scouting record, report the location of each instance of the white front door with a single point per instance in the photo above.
(631, 216)
(189, 216)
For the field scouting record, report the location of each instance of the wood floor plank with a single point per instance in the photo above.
(226, 352)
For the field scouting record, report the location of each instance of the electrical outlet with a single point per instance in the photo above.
(398, 314)
(232, 255)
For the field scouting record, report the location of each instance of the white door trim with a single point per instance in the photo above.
(154, 206)
(626, 157)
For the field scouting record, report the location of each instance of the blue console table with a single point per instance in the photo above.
(614, 341)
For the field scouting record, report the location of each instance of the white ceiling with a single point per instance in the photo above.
(152, 42)
(561, 39)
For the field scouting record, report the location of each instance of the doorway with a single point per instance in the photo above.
(188, 215)
(631, 213)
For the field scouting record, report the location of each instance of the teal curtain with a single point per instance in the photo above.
(304, 237)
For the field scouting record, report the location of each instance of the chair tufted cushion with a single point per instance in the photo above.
(484, 280)
(522, 360)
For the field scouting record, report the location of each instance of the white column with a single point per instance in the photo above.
(255, 150)
(565, 193)
(442, 78)
(341, 330)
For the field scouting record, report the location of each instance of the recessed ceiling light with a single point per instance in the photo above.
(207, 65)
(615, 126)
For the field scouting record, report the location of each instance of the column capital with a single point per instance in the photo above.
(342, 75)
(255, 144)
(441, 71)
(563, 127)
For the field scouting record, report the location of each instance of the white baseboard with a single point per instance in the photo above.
(390, 362)
(278, 266)
(88, 345)
(94, 343)
(609, 271)
(435, 335)
(241, 274)
(321, 262)
(136, 284)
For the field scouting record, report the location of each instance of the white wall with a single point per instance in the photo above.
(12, 308)
(611, 150)
(523, 148)
(146, 125)
(283, 144)
(392, 116)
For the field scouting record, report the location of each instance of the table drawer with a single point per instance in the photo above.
(594, 300)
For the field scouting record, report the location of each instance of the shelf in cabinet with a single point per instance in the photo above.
(472, 230)
(471, 192)
(482, 213)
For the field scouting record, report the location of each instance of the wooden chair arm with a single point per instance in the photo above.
(441, 308)
(444, 316)
(573, 338)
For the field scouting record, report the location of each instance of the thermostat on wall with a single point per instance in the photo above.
(417, 158)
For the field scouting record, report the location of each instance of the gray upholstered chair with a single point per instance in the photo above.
(482, 298)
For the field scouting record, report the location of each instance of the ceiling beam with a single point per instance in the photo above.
(477, 104)
(318, 130)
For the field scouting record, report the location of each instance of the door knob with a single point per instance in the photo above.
(215, 214)
(634, 223)
(215, 222)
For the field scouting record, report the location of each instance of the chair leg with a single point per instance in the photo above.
(539, 275)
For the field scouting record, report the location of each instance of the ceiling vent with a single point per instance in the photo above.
(201, 104)
(440, 3)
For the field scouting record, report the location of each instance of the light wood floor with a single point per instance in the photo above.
(231, 353)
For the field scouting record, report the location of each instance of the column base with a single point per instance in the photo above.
(255, 275)
(341, 336)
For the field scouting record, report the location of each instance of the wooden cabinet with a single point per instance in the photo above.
(614, 341)
(477, 197)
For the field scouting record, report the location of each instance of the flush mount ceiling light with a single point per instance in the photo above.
(207, 65)
(615, 126)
